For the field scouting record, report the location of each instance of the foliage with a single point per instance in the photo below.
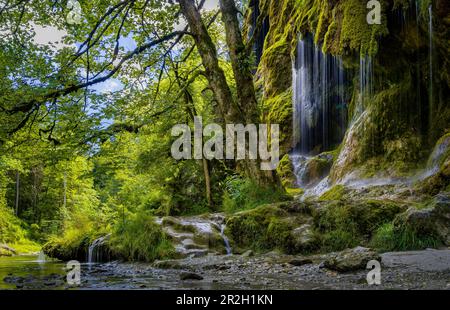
(245, 194)
(140, 238)
(389, 238)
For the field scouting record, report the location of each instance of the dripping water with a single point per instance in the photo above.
(430, 31)
(94, 252)
(319, 103)
(225, 239)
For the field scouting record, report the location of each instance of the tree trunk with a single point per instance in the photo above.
(246, 110)
(207, 182)
(207, 50)
(240, 62)
(17, 192)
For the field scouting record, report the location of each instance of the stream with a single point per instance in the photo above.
(429, 269)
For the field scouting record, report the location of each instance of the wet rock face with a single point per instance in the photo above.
(312, 170)
(433, 221)
(350, 260)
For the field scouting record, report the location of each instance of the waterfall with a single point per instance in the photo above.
(365, 81)
(225, 239)
(41, 257)
(94, 254)
(318, 98)
(430, 33)
(319, 103)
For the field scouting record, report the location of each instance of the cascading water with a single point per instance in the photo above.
(94, 253)
(225, 239)
(430, 33)
(41, 257)
(319, 102)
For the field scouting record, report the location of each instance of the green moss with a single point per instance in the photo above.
(338, 240)
(141, 239)
(360, 218)
(337, 192)
(285, 172)
(244, 194)
(390, 238)
(261, 229)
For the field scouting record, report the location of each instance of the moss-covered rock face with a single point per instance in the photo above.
(285, 171)
(401, 119)
(432, 222)
(278, 226)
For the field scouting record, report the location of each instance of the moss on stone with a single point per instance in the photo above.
(335, 193)
(285, 171)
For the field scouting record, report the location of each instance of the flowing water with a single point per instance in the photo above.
(319, 103)
(225, 240)
(319, 99)
(94, 252)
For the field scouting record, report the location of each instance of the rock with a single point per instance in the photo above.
(300, 262)
(248, 253)
(350, 259)
(167, 264)
(432, 221)
(190, 276)
(304, 238)
(312, 170)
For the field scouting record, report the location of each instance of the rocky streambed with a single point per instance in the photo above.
(429, 269)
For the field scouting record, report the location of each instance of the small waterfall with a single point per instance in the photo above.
(430, 33)
(365, 81)
(41, 257)
(94, 254)
(225, 239)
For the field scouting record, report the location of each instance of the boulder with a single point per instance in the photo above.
(432, 221)
(304, 238)
(350, 259)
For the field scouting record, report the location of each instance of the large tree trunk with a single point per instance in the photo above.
(245, 111)
(240, 62)
(208, 53)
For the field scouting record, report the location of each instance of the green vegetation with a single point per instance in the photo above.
(391, 238)
(85, 124)
(244, 194)
(141, 239)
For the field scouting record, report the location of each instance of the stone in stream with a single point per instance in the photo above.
(350, 259)
(300, 262)
(190, 276)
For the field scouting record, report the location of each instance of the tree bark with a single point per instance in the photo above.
(17, 192)
(245, 110)
(207, 50)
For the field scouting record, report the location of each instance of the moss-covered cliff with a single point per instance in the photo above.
(394, 128)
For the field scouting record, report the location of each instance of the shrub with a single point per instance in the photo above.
(141, 239)
(391, 238)
(244, 194)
